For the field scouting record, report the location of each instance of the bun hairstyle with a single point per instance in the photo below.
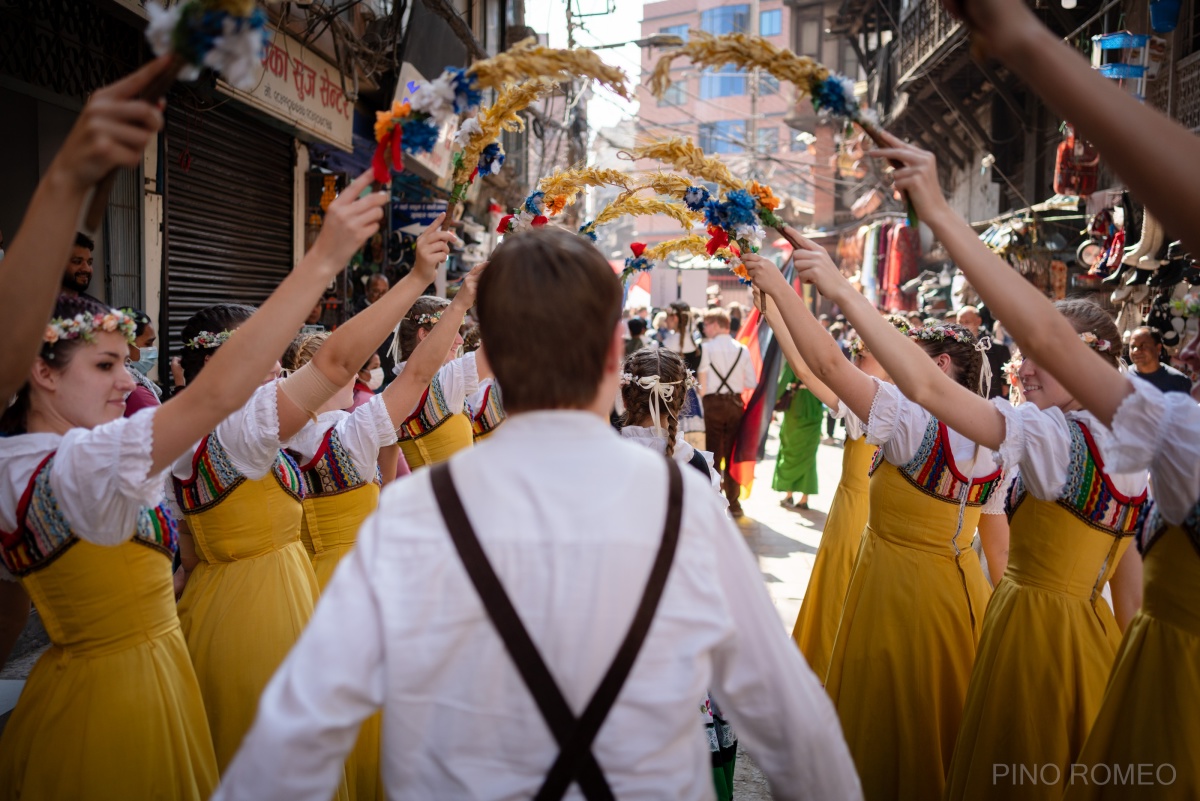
(670, 369)
(425, 307)
(57, 355)
(959, 344)
(1088, 318)
(212, 319)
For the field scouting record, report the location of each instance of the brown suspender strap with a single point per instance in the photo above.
(576, 761)
(725, 378)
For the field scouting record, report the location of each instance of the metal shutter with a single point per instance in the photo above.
(229, 211)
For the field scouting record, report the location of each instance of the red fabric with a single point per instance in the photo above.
(638, 249)
(362, 394)
(742, 464)
(388, 156)
(717, 239)
(502, 228)
(140, 398)
(903, 260)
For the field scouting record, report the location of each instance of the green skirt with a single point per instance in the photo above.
(799, 437)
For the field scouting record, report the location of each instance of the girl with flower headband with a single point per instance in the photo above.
(821, 611)
(910, 623)
(654, 383)
(83, 529)
(441, 425)
(337, 456)
(1135, 427)
(250, 585)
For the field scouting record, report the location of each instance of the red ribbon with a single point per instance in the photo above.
(388, 156)
(718, 239)
(638, 249)
(539, 221)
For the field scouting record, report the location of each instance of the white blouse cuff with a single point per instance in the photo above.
(1012, 448)
(1140, 425)
(375, 414)
(885, 414)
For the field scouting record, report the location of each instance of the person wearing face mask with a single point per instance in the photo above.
(143, 356)
(368, 382)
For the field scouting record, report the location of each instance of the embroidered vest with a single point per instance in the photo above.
(1088, 493)
(214, 477)
(933, 470)
(331, 470)
(1152, 526)
(43, 533)
(433, 410)
(489, 414)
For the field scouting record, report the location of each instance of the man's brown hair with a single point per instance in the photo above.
(718, 316)
(534, 281)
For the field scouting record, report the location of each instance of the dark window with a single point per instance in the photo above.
(770, 23)
(675, 95)
(724, 83)
(728, 19)
(726, 136)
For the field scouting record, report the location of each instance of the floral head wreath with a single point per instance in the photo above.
(940, 333)
(84, 326)
(1095, 343)
(427, 319)
(207, 340)
(659, 390)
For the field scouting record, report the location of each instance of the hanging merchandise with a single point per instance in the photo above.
(1164, 15)
(1077, 167)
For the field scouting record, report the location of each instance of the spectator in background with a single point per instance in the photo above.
(377, 286)
(368, 380)
(637, 336)
(916, 320)
(77, 276)
(143, 356)
(660, 327)
(1145, 351)
(736, 313)
(726, 371)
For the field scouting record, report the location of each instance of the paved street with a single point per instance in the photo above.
(785, 542)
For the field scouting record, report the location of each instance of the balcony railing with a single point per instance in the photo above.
(924, 28)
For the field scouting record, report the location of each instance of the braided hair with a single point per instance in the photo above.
(670, 369)
(966, 361)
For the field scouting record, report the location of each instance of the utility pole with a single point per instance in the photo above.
(577, 120)
(752, 123)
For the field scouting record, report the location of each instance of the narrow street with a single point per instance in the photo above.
(785, 543)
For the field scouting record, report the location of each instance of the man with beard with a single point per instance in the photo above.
(78, 274)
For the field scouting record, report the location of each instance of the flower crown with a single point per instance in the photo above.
(1095, 343)
(427, 319)
(857, 348)
(207, 340)
(83, 326)
(939, 333)
(689, 382)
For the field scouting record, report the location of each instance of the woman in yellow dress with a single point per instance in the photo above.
(250, 586)
(910, 624)
(114, 709)
(821, 611)
(338, 457)
(441, 426)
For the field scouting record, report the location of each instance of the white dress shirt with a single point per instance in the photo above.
(1161, 431)
(718, 357)
(855, 428)
(361, 432)
(250, 437)
(571, 517)
(457, 380)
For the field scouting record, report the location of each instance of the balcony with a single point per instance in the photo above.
(926, 30)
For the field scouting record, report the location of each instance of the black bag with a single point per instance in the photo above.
(785, 400)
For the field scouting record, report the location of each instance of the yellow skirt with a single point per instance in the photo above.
(112, 710)
(817, 624)
(439, 444)
(904, 650)
(1048, 643)
(1145, 741)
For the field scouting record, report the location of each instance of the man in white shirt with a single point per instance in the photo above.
(726, 371)
(574, 528)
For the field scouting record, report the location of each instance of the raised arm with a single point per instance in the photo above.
(1165, 175)
(112, 131)
(817, 349)
(238, 366)
(1039, 330)
(403, 394)
(792, 354)
(917, 376)
(343, 354)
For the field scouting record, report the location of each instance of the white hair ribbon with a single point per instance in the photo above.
(985, 370)
(659, 390)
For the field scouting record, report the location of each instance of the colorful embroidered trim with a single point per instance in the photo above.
(490, 413)
(43, 533)
(933, 471)
(1153, 526)
(433, 410)
(214, 477)
(332, 470)
(1089, 493)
